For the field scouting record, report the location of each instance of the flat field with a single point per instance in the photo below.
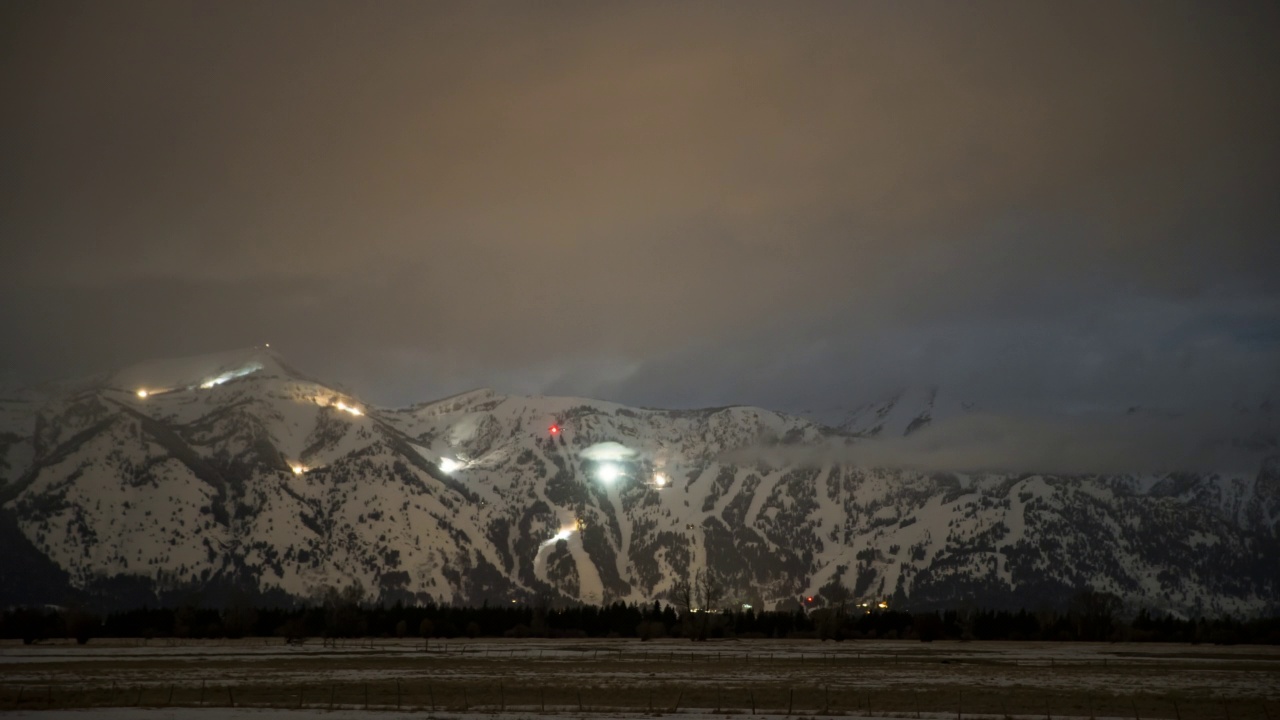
(594, 678)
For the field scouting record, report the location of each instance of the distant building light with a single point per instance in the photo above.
(746, 606)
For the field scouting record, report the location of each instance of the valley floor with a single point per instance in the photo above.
(459, 680)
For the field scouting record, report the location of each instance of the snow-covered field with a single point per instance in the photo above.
(579, 678)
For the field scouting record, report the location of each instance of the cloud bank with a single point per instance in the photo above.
(1231, 443)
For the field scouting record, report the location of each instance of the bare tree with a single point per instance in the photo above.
(831, 624)
(342, 616)
(710, 593)
(682, 592)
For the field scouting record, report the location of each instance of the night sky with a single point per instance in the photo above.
(798, 205)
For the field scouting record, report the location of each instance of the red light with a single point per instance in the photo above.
(810, 598)
(554, 429)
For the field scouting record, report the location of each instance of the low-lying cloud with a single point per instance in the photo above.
(1229, 443)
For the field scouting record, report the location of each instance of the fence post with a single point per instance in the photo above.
(753, 702)
(366, 696)
(502, 698)
(679, 697)
(431, 694)
(1134, 703)
(397, 694)
(465, 705)
(579, 701)
(1178, 713)
(231, 695)
(791, 697)
(18, 702)
(959, 704)
(332, 691)
(113, 690)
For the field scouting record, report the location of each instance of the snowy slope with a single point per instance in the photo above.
(236, 469)
(905, 412)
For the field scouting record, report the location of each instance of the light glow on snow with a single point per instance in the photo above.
(231, 375)
(348, 408)
(298, 469)
(564, 534)
(143, 394)
(448, 465)
(610, 451)
(608, 473)
(660, 480)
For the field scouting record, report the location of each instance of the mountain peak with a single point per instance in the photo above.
(199, 371)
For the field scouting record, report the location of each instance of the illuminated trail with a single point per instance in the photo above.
(231, 375)
(591, 588)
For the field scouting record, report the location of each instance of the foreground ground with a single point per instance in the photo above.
(591, 678)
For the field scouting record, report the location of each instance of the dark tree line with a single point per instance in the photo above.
(341, 615)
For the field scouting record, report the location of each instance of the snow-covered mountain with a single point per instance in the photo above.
(176, 477)
(905, 412)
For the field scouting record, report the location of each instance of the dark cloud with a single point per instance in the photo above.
(659, 203)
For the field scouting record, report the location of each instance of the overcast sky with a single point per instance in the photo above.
(793, 204)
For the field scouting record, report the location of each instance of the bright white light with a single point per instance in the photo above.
(348, 408)
(746, 606)
(448, 465)
(298, 469)
(143, 394)
(660, 480)
(608, 472)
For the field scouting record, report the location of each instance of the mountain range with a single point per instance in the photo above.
(234, 473)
